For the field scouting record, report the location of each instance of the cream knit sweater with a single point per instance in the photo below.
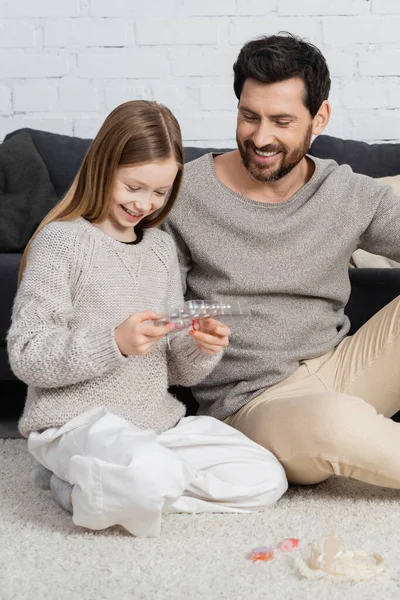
(78, 285)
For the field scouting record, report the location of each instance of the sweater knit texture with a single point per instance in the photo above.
(288, 261)
(78, 285)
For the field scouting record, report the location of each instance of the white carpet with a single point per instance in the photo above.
(44, 556)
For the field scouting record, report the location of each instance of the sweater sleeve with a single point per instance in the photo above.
(382, 236)
(187, 363)
(44, 349)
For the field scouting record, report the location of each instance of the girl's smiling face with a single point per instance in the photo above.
(137, 192)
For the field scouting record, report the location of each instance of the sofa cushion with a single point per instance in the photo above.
(62, 155)
(375, 160)
(26, 192)
(191, 152)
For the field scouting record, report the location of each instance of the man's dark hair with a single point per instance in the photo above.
(280, 57)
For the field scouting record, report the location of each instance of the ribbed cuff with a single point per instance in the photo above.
(103, 349)
(196, 355)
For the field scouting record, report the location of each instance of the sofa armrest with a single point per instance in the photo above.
(9, 266)
(371, 290)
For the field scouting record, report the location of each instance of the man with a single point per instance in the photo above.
(276, 228)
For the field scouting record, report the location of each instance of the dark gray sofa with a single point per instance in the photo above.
(371, 289)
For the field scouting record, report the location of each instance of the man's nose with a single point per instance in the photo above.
(263, 135)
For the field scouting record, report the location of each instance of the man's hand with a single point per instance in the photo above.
(137, 334)
(211, 335)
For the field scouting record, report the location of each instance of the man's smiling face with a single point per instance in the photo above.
(274, 128)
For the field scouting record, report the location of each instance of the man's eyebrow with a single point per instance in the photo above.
(244, 108)
(282, 116)
(277, 116)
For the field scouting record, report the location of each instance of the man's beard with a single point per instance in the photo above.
(288, 161)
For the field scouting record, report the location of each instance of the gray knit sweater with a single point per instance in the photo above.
(79, 284)
(289, 261)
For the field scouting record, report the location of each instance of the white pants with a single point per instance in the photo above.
(129, 476)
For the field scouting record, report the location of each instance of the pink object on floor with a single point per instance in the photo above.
(288, 544)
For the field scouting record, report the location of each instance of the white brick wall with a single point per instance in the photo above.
(64, 64)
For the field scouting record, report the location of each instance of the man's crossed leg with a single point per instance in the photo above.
(332, 416)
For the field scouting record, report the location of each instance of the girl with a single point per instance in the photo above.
(94, 278)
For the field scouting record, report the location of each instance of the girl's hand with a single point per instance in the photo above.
(136, 335)
(211, 335)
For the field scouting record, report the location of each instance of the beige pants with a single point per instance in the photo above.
(332, 415)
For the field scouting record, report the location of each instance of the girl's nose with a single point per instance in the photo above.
(143, 203)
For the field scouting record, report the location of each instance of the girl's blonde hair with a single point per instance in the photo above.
(133, 133)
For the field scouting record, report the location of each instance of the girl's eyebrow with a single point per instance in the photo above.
(129, 181)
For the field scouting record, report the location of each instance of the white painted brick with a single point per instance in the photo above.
(323, 7)
(336, 87)
(365, 93)
(338, 126)
(340, 62)
(118, 94)
(218, 98)
(173, 96)
(150, 32)
(242, 30)
(337, 109)
(229, 144)
(198, 82)
(35, 97)
(88, 127)
(32, 65)
(335, 97)
(209, 7)
(202, 62)
(55, 124)
(16, 34)
(79, 96)
(185, 61)
(129, 8)
(360, 30)
(256, 7)
(379, 125)
(85, 32)
(84, 8)
(385, 6)
(206, 126)
(393, 86)
(40, 8)
(178, 96)
(114, 64)
(183, 97)
(5, 100)
(380, 61)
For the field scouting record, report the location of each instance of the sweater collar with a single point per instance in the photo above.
(107, 240)
(302, 193)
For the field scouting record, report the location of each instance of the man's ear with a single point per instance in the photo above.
(320, 121)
